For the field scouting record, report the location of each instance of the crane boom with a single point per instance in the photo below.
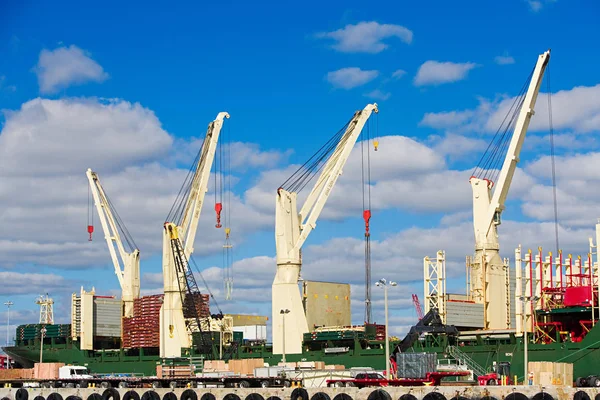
(128, 273)
(193, 208)
(291, 231)
(174, 335)
(514, 149)
(488, 270)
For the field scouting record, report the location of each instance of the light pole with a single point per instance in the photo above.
(383, 283)
(283, 312)
(8, 304)
(43, 332)
(525, 300)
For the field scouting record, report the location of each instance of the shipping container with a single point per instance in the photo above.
(252, 332)
(464, 314)
(326, 304)
(107, 317)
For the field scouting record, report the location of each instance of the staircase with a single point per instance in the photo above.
(465, 359)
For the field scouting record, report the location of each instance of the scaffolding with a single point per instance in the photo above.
(435, 283)
(46, 309)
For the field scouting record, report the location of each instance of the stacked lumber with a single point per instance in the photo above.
(551, 373)
(16, 373)
(143, 329)
(215, 366)
(174, 371)
(246, 366)
(46, 370)
(334, 367)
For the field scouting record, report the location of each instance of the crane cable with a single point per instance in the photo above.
(307, 171)
(227, 246)
(219, 183)
(90, 220)
(489, 165)
(552, 161)
(366, 203)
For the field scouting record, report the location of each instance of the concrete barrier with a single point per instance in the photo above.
(325, 393)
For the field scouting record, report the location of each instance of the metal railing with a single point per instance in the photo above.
(464, 358)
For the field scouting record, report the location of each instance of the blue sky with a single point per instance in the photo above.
(290, 76)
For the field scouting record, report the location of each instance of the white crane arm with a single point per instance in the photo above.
(512, 156)
(195, 199)
(331, 172)
(109, 226)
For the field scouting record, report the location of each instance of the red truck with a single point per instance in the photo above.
(369, 379)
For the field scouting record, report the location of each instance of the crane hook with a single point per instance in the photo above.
(218, 209)
(90, 231)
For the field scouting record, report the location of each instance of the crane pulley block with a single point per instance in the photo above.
(218, 209)
(367, 217)
(90, 231)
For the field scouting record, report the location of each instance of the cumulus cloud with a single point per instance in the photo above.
(366, 37)
(27, 283)
(351, 77)
(378, 94)
(4, 87)
(576, 109)
(436, 73)
(399, 73)
(65, 66)
(87, 131)
(504, 60)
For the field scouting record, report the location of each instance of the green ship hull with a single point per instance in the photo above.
(482, 348)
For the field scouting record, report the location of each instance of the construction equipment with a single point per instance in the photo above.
(292, 229)
(178, 245)
(129, 273)
(417, 304)
(488, 272)
(430, 323)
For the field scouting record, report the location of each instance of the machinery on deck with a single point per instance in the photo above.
(178, 245)
(129, 273)
(430, 323)
(292, 229)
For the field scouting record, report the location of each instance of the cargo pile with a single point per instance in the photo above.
(34, 331)
(551, 373)
(201, 302)
(39, 371)
(143, 329)
(46, 370)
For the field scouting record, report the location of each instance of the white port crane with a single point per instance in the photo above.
(488, 271)
(126, 263)
(183, 224)
(292, 230)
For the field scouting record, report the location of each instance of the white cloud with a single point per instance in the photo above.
(64, 66)
(378, 95)
(351, 77)
(504, 60)
(458, 145)
(435, 73)
(576, 109)
(447, 119)
(104, 135)
(28, 283)
(535, 5)
(399, 73)
(366, 37)
(4, 87)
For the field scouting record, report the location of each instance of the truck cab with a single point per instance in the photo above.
(74, 372)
